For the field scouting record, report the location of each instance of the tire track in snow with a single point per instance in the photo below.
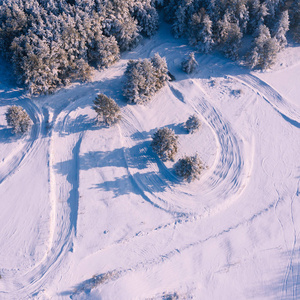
(272, 97)
(231, 170)
(63, 222)
(169, 252)
(16, 160)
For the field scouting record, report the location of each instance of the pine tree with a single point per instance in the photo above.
(160, 71)
(164, 143)
(18, 119)
(230, 37)
(179, 25)
(144, 78)
(189, 64)
(257, 14)
(146, 16)
(200, 32)
(281, 29)
(193, 124)
(108, 111)
(295, 20)
(104, 51)
(189, 167)
(264, 49)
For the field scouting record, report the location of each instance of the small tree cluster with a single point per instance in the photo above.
(108, 111)
(18, 119)
(192, 124)
(189, 167)
(164, 143)
(144, 78)
(264, 49)
(189, 64)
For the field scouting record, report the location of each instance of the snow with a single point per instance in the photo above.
(90, 212)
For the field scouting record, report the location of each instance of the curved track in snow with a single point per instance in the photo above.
(63, 215)
(17, 158)
(280, 105)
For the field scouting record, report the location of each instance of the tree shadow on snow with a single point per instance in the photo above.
(79, 124)
(286, 284)
(136, 183)
(138, 157)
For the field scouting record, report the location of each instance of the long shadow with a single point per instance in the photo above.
(88, 285)
(71, 169)
(6, 135)
(127, 184)
(80, 124)
(139, 156)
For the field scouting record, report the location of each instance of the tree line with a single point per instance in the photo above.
(54, 42)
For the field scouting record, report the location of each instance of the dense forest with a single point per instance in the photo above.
(53, 42)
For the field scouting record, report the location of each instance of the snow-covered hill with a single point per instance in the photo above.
(89, 212)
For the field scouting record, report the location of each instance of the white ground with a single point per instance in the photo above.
(89, 212)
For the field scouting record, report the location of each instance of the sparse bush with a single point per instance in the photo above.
(108, 111)
(164, 143)
(189, 64)
(18, 119)
(189, 168)
(192, 124)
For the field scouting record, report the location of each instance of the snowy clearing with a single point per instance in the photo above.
(90, 212)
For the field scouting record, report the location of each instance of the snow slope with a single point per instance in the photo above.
(89, 212)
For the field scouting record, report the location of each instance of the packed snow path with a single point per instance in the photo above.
(90, 212)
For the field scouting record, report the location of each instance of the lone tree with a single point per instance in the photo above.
(189, 64)
(108, 111)
(192, 124)
(164, 143)
(189, 168)
(18, 119)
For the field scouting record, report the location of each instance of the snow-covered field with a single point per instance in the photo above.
(89, 212)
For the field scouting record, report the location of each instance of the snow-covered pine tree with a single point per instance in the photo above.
(133, 80)
(189, 168)
(144, 78)
(179, 25)
(34, 64)
(264, 49)
(193, 124)
(189, 64)
(119, 23)
(108, 111)
(18, 119)
(257, 14)
(160, 71)
(13, 22)
(281, 29)
(295, 20)
(146, 16)
(200, 32)
(104, 51)
(164, 143)
(230, 36)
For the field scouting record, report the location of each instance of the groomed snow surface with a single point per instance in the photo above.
(90, 212)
